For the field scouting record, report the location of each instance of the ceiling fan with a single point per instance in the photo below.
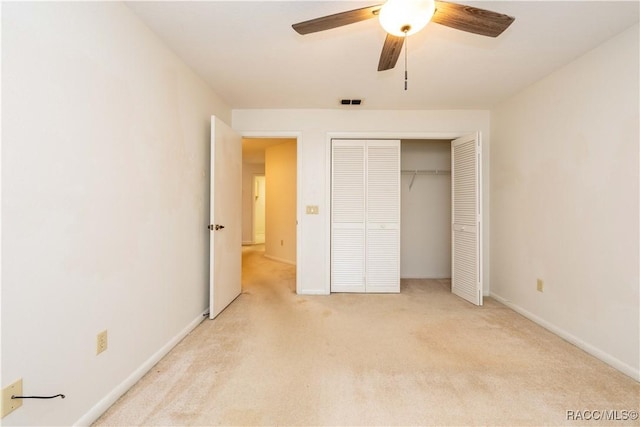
(402, 18)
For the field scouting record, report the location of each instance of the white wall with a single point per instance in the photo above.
(105, 199)
(564, 202)
(249, 170)
(426, 210)
(280, 212)
(316, 127)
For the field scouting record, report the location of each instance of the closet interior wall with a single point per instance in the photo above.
(425, 239)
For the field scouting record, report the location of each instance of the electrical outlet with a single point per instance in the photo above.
(8, 404)
(102, 343)
(540, 285)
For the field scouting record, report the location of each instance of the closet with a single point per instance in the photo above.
(425, 209)
(409, 209)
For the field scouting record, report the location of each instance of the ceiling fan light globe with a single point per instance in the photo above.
(396, 15)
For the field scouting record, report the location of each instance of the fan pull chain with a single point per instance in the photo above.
(406, 47)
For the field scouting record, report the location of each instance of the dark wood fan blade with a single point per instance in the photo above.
(471, 19)
(390, 52)
(336, 20)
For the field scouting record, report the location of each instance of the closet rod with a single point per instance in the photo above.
(425, 172)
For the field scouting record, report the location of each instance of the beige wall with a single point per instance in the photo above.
(280, 174)
(105, 200)
(564, 202)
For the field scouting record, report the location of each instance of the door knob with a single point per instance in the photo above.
(219, 227)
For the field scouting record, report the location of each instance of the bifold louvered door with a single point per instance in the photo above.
(466, 280)
(348, 216)
(383, 217)
(365, 217)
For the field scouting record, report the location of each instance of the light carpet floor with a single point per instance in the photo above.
(421, 357)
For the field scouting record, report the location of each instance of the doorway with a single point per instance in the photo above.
(259, 212)
(269, 206)
(425, 251)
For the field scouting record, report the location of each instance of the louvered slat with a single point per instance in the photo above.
(466, 263)
(383, 260)
(347, 259)
(383, 188)
(348, 183)
(464, 181)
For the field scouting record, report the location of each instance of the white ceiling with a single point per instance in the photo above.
(251, 57)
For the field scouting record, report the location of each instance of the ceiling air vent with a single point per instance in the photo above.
(351, 101)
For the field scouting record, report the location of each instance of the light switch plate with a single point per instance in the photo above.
(312, 210)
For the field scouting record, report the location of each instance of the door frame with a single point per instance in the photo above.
(405, 135)
(298, 137)
(253, 205)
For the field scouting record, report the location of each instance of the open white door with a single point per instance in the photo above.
(225, 235)
(466, 238)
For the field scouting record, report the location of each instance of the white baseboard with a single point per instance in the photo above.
(106, 402)
(286, 261)
(247, 243)
(313, 292)
(594, 351)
